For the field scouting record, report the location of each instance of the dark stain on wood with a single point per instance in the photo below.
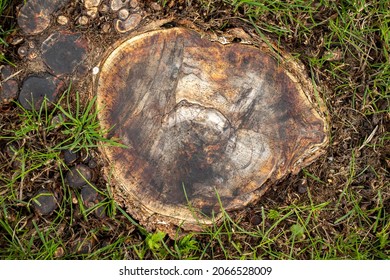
(35, 15)
(64, 52)
(36, 88)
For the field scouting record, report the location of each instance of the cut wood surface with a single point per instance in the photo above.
(205, 124)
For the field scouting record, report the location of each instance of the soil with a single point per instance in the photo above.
(349, 125)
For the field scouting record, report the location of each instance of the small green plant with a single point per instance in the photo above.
(154, 241)
(297, 231)
(187, 247)
(81, 126)
(273, 214)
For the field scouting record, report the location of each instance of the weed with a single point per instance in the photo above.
(81, 127)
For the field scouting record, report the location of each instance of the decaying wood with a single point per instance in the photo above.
(205, 124)
(63, 52)
(35, 89)
(35, 15)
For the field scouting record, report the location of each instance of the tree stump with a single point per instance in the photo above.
(206, 125)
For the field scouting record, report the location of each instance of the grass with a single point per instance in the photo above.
(291, 232)
(36, 141)
(35, 144)
(5, 29)
(344, 214)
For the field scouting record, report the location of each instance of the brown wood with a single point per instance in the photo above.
(36, 88)
(64, 52)
(35, 15)
(205, 124)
